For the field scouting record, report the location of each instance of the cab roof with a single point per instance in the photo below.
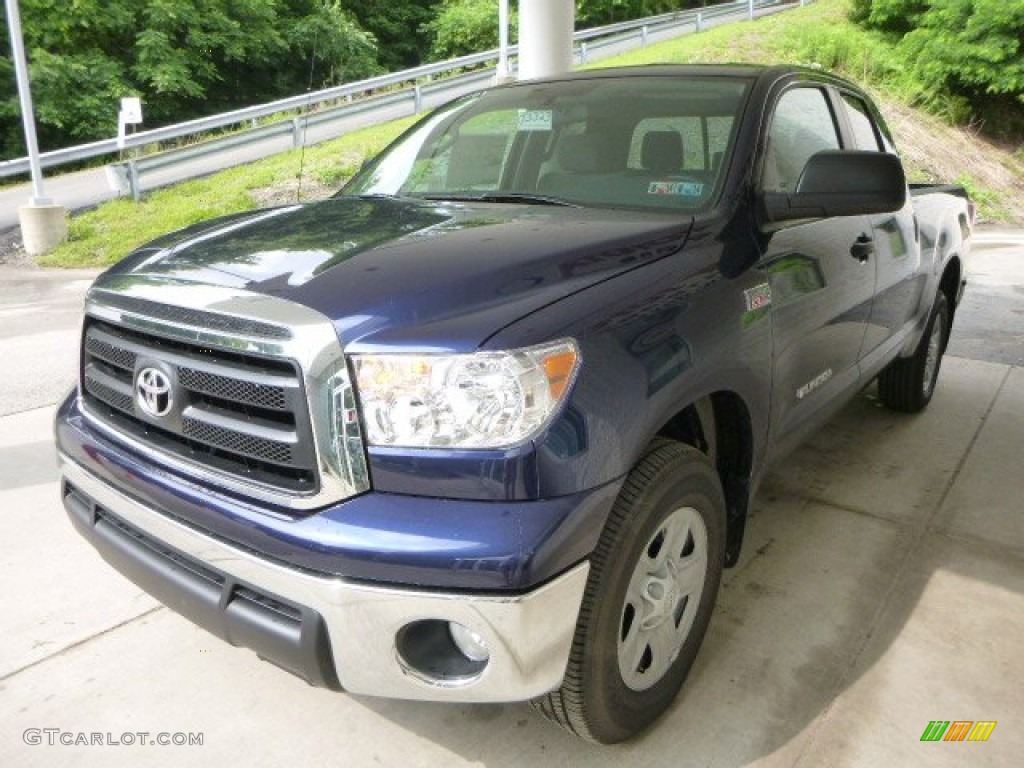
(737, 70)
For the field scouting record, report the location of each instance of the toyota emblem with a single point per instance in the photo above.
(153, 392)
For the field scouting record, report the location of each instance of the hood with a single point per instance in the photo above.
(416, 274)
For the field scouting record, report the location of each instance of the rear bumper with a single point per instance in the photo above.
(326, 629)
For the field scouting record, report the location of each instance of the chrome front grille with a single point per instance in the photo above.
(259, 399)
(240, 413)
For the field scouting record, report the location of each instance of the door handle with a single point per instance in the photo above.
(862, 248)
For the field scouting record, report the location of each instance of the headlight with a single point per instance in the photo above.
(479, 400)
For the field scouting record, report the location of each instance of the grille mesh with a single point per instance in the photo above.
(122, 358)
(228, 388)
(108, 395)
(236, 442)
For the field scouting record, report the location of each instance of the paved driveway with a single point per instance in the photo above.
(881, 588)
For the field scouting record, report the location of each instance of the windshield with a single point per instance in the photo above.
(643, 141)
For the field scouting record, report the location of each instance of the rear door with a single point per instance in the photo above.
(899, 280)
(821, 292)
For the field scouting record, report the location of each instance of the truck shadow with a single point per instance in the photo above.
(846, 616)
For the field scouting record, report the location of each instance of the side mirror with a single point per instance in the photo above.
(841, 183)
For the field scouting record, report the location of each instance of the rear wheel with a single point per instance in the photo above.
(652, 586)
(907, 384)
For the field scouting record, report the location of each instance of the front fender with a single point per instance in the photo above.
(652, 342)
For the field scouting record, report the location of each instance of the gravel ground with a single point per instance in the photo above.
(12, 254)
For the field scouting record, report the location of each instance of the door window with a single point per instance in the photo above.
(803, 125)
(864, 134)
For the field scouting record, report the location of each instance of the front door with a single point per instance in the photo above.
(821, 290)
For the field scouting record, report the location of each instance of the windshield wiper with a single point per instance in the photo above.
(526, 198)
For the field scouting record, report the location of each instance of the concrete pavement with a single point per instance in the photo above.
(40, 317)
(881, 588)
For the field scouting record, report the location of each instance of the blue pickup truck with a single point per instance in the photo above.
(485, 426)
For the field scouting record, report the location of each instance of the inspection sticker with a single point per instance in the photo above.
(535, 119)
(680, 188)
(758, 297)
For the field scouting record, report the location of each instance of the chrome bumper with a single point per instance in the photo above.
(529, 636)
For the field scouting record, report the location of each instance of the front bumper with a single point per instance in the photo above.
(331, 631)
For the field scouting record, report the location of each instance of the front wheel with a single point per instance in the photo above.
(652, 586)
(907, 384)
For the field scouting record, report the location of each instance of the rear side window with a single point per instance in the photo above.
(703, 139)
(803, 124)
(865, 135)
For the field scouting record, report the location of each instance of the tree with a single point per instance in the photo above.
(897, 16)
(969, 52)
(593, 13)
(185, 58)
(974, 49)
(462, 27)
(399, 28)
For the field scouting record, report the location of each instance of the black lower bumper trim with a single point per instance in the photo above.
(290, 636)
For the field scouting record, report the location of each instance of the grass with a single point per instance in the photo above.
(993, 203)
(816, 35)
(110, 231)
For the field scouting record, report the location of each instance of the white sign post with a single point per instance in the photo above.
(43, 224)
(130, 114)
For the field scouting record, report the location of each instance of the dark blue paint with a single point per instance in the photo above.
(464, 270)
(379, 537)
(656, 302)
(498, 475)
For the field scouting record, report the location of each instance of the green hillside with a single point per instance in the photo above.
(817, 35)
(934, 149)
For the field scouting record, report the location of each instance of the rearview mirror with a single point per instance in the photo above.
(841, 183)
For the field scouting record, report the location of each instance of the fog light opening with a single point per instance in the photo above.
(469, 643)
(442, 653)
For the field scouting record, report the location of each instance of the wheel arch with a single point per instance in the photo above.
(720, 425)
(950, 282)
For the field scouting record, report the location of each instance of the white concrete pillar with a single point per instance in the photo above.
(43, 227)
(545, 37)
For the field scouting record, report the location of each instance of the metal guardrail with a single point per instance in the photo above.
(645, 28)
(418, 82)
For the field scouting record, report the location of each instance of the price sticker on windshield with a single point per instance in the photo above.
(535, 119)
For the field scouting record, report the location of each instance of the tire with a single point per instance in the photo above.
(908, 383)
(647, 603)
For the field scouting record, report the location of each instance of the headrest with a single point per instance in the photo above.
(662, 152)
